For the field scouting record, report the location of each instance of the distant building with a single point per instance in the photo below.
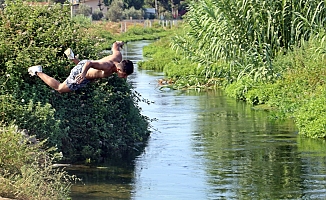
(94, 4)
(74, 2)
(149, 13)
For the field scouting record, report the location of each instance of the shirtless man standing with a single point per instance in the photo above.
(87, 70)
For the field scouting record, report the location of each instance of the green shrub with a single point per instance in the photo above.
(258, 94)
(239, 89)
(26, 170)
(109, 123)
(299, 91)
(103, 120)
(310, 118)
(82, 20)
(37, 118)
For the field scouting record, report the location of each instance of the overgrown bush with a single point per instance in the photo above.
(37, 118)
(26, 170)
(100, 120)
(310, 118)
(103, 120)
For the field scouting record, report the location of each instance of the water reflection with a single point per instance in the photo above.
(208, 146)
(249, 156)
(104, 183)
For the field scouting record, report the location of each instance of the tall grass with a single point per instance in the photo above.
(26, 170)
(299, 94)
(248, 34)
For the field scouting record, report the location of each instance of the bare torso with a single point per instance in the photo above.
(108, 64)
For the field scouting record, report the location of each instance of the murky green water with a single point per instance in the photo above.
(208, 146)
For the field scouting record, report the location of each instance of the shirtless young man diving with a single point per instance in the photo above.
(87, 70)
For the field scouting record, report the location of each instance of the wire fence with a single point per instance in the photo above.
(149, 23)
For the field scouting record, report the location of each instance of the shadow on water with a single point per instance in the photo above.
(208, 146)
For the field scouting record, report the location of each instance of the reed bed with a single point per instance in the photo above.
(248, 34)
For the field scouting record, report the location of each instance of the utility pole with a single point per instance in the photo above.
(172, 8)
(156, 10)
(72, 9)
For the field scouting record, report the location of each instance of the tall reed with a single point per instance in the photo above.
(248, 34)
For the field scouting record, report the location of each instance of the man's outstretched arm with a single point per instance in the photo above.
(116, 54)
(71, 56)
(117, 45)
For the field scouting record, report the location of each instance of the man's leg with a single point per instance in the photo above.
(60, 87)
(53, 83)
(75, 60)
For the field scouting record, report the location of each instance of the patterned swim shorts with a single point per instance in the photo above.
(71, 82)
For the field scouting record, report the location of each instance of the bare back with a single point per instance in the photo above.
(106, 66)
(106, 69)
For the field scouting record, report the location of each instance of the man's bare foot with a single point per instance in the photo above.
(120, 44)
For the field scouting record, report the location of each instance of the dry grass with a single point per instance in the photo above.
(115, 27)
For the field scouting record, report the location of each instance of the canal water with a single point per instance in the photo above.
(205, 145)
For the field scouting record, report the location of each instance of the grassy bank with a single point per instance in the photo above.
(297, 91)
(184, 73)
(266, 53)
(26, 168)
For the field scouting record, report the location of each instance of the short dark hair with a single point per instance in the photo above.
(127, 66)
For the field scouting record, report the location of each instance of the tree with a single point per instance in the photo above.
(115, 11)
(84, 9)
(133, 13)
(97, 14)
(137, 4)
